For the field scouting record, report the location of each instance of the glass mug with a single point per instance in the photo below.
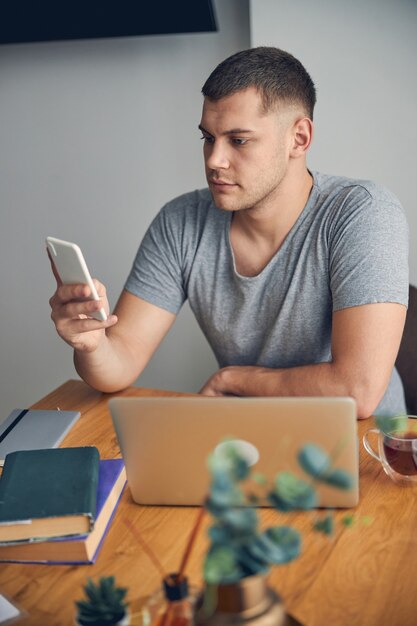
(397, 451)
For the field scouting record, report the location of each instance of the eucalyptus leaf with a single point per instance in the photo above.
(276, 549)
(243, 520)
(227, 458)
(279, 503)
(233, 526)
(314, 460)
(240, 468)
(325, 525)
(391, 423)
(292, 493)
(224, 492)
(219, 468)
(339, 478)
(221, 565)
(250, 563)
(287, 538)
(222, 481)
(348, 520)
(219, 534)
(220, 500)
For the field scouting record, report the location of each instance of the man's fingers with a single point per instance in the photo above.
(72, 328)
(73, 309)
(75, 293)
(87, 324)
(101, 289)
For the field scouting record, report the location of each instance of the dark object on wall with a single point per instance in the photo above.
(407, 357)
(53, 20)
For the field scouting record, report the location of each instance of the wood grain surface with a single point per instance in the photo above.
(364, 575)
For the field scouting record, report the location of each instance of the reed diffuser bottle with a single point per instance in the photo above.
(173, 604)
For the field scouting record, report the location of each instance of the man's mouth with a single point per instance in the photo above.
(221, 183)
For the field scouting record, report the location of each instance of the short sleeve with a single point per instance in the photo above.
(156, 274)
(368, 250)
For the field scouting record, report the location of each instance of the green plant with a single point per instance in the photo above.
(104, 605)
(238, 548)
(392, 423)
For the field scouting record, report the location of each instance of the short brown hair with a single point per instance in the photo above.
(276, 74)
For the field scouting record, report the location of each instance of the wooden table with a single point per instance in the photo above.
(365, 575)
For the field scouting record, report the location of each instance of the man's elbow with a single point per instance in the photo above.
(367, 397)
(364, 408)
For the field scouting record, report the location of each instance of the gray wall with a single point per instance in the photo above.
(95, 136)
(362, 56)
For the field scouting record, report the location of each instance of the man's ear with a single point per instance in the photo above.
(302, 137)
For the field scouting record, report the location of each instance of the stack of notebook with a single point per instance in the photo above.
(56, 505)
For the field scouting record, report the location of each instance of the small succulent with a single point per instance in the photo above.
(238, 548)
(104, 605)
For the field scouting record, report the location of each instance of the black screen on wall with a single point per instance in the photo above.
(53, 20)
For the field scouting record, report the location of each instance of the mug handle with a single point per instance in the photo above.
(368, 446)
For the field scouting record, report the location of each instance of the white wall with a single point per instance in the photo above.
(94, 137)
(362, 56)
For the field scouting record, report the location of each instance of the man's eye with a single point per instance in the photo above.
(207, 139)
(239, 141)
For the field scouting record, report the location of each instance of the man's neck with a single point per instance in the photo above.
(257, 234)
(274, 219)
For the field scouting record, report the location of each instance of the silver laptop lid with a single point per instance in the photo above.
(165, 442)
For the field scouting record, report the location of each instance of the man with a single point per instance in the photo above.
(298, 280)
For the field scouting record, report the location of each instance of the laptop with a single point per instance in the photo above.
(166, 441)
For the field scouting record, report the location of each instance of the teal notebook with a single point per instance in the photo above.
(77, 549)
(48, 493)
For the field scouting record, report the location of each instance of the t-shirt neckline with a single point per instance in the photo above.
(310, 202)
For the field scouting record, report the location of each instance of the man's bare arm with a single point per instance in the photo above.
(109, 355)
(127, 346)
(365, 343)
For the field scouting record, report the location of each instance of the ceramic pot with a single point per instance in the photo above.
(250, 601)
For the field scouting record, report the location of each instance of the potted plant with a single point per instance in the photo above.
(240, 554)
(104, 605)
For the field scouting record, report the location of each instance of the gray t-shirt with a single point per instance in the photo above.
(348, 247)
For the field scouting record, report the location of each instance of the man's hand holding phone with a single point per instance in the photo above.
(80, 308)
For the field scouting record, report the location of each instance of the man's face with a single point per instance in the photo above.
(246, 151)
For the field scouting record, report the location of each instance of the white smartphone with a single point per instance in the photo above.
(72, 268)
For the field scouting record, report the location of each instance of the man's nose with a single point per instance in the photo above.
(216, 156)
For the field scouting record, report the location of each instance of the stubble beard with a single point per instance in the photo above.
(252, 201)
